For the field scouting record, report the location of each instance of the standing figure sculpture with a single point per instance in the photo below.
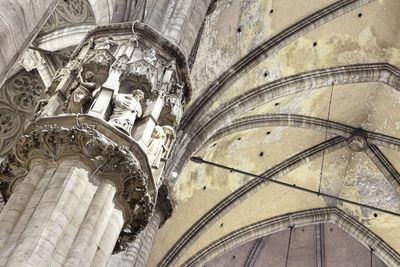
(157, 145)
(81, 94)
(126, 109)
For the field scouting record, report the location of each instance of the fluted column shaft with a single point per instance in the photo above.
(93, 227)
(138, 252)
(58, 216)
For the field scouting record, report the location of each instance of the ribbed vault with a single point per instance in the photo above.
(268, 115)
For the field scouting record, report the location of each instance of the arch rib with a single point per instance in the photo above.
(301, 121)
(243, 192)
(384, 166)
(278, 41)
(302, 218)
(193, 138)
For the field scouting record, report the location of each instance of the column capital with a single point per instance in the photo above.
(109, 160)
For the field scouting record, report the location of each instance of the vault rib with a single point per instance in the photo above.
(243, 192)
(190, 142)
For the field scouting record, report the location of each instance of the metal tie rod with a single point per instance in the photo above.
(199, 160)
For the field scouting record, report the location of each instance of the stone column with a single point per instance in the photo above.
(108, 240)
(90, 233)
(138, 251)
(87, 187)
(74, 201)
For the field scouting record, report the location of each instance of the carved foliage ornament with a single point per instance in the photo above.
(114, 162)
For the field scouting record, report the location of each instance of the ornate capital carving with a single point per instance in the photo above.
(114, 162)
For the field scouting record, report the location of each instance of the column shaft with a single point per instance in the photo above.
(109, 239)
(138, 251)
(93, 227)
(18, 201)
(52, 217)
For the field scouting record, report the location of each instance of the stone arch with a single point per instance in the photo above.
(301, 121)
(306, 217)
(103, 10)
(67, 25)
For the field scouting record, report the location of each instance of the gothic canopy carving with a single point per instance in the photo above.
(145, 70)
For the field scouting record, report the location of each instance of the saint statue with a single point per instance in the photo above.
(126, 109)
(157, 145)
(81, 94)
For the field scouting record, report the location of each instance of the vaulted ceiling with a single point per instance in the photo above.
(308, 246)
(287, 90)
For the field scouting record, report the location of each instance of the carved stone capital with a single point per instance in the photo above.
(111, 160)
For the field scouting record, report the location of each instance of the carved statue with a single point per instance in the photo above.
(150, 56)
(158, 144)
(126, 109)
(80, 94)
(107, 44)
